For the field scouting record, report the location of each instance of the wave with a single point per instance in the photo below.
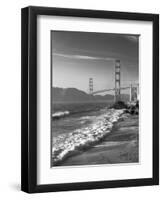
(85, 119)
(64, 145)
(60, 114)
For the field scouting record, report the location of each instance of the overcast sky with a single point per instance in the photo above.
(78, 56)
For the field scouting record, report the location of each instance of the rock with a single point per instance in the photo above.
(119, 105)
(133, 108)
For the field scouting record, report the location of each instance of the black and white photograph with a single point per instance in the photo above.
(94, 98)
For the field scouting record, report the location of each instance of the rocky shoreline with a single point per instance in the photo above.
(81, 139)
(121, 145)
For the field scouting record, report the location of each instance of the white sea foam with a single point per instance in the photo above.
(85, 117)
(101, 125)
(60, 114)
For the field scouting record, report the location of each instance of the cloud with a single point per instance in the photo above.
(83, 57)
(132, 38)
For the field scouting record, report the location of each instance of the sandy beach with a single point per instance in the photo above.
(118, 146)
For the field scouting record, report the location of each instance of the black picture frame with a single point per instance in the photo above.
(29, 99)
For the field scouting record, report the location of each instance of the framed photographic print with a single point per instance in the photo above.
(90, 99)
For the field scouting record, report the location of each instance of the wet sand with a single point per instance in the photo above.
(119, 146)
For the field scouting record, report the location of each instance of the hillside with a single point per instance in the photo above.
(75, 95)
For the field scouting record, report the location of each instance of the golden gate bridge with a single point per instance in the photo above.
(133, 87)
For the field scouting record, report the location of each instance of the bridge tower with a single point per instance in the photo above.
(134, 92)
(90, 85)
(117, 81)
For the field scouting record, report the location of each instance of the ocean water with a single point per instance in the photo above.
(77, 125)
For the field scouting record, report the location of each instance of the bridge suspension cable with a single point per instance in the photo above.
(133, 88)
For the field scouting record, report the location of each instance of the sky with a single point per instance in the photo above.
(78, 56)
